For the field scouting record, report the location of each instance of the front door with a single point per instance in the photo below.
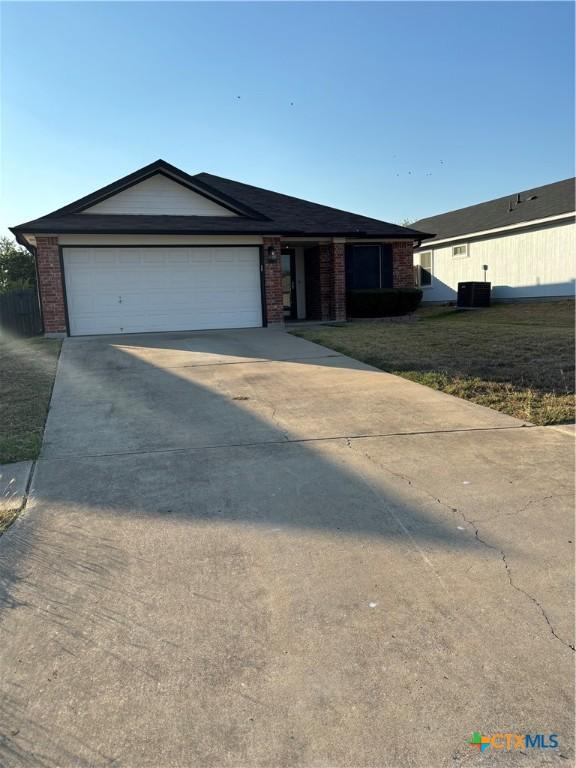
(289, 283)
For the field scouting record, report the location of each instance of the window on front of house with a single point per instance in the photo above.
(459, 251)
(425, 278)
(368, 266)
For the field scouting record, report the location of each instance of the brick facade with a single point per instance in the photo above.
(325, 279)
(50, 283)
(338, 306)
(403, 264)
(325, 282)
(273, 282)
(332, 281)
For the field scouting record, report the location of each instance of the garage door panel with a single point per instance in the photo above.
(127, 258)
(176, 258)
(80, 303)
(200, 255)
(131, 290)
(98, 256)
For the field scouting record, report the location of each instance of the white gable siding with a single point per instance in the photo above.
(529, 264)
(159, 196)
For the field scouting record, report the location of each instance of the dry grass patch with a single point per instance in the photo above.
(515, 358)
(6, 519)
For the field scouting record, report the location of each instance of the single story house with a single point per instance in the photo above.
(160, 250)
(524, 244)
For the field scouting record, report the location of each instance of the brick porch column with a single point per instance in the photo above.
(403, 264)
(273, 282)
(338, 281)
(332, 281)
(325, 281)
(50, 284)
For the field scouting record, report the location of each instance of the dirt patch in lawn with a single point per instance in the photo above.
(27, 371)
(516, 358)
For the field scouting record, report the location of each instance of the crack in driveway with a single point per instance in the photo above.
(472, 524)
(510, 579)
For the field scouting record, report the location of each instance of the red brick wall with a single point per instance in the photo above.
(402, 264)
(273, 281)
(332, 281)
(325, 263)
(338, 308)
(51, 288)
(325, 282)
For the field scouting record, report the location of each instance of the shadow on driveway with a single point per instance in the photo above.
(214, 569)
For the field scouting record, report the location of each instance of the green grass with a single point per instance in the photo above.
(516, 358)
(27, 370)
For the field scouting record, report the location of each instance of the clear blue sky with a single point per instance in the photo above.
(400, 110)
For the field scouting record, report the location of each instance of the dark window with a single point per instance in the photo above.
(426, 268)
(368, 266)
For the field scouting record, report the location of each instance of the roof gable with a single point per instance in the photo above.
(159, 167)
(161, 196)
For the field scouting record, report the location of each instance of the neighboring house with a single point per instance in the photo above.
(160, 250)
(524, 244)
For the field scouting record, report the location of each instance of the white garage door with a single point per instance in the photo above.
(130, 290)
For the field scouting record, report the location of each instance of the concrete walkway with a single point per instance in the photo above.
(242, 549)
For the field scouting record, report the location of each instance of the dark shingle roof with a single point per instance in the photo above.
(260, 212)
(538, 203)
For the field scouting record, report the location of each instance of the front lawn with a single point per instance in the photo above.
(27, 370)
(517, 358)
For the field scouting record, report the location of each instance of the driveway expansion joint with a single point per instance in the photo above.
(287, 441)
(211, 364)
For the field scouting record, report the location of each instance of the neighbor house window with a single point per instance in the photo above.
(425, 271)
(459, 251)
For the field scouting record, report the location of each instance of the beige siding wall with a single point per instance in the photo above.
(159, 195)
(528, 264)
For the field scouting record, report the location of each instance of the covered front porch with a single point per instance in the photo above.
(306, 280)
(311, 288)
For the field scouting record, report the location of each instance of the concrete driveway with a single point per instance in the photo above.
(242, 549)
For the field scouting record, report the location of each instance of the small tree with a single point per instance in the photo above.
(17, 270)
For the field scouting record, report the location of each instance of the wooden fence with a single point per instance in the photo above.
(20, 313)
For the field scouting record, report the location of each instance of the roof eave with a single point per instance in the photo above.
(504, 229)
(20, 239)
(32, 228)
